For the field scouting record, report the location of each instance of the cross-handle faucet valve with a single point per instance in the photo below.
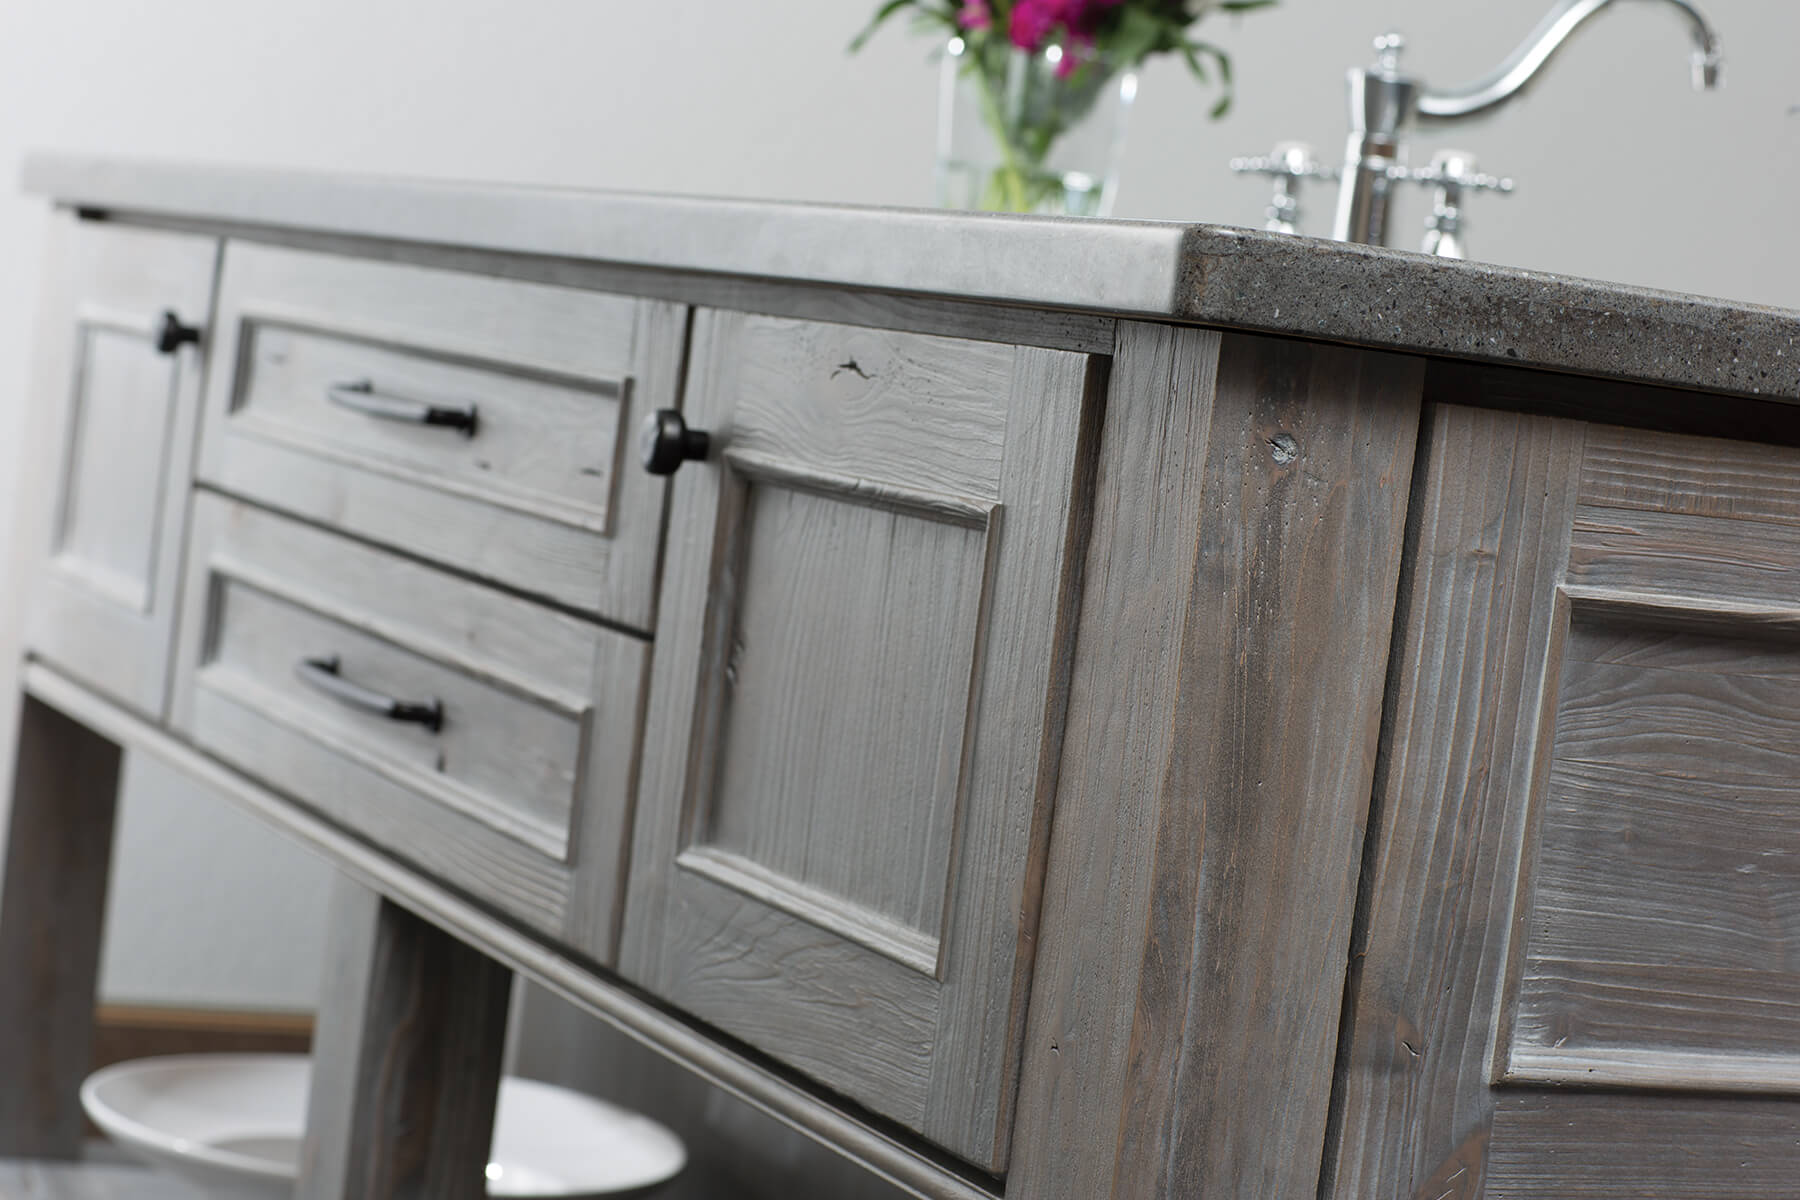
(1451, 173)
(1287, 164)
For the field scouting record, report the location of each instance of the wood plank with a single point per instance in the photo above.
(1259, 839)
(1137, 589)
(406, 1061)
(57, 856)
(1413, 1109)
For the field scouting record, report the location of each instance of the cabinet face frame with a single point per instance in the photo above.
(109, 495)
(915, 1014)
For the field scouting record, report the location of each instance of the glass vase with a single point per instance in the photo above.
(1021, 132)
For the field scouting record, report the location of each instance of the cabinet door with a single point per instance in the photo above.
(855, 706)
(119, 398)
(1580, 974)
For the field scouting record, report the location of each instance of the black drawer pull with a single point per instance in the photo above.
(322, 673)
(361, 396)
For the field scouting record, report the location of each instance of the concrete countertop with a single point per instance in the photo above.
(1202, 274)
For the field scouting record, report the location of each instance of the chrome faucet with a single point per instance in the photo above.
(1383, 100)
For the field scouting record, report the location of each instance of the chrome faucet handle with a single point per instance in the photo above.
(1451, 173)
(1453, 168)
(1287, 164)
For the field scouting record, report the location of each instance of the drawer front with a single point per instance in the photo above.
(475, 421)
(853, 706)
(116, 408)
(462, 729)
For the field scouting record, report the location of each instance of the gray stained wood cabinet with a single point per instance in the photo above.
(1040, 754)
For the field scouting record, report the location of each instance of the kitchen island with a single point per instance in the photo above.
(1108, 709)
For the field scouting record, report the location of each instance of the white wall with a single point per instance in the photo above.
(1623, 174)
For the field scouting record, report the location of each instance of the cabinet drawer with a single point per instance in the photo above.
(475, 421)
(460, 728)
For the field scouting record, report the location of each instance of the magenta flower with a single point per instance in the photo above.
(975, 15)
(1034, 20)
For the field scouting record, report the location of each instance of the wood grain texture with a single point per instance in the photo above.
(978, 425)
(1153, 446)
(1550, 1146)
(58, 852)
(114, 446)
(1259, 838)
(924, 413)
(537, 499)
(784, 1096)
(1494, 512)
(1704, 476)
(822, 779)
(1704, 560)
(406, 1059)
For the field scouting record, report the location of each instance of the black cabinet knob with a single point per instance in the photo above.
(665, 442)
(171, 335)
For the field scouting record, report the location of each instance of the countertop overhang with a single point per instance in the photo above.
(1192, 273)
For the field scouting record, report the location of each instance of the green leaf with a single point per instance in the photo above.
(881, 15)
(1193, 62)
(1138, 36)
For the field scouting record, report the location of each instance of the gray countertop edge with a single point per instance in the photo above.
(1205, 274)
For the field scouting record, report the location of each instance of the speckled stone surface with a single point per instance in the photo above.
(1375, 297)
(1213, 275)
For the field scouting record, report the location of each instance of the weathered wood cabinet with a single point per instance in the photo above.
(1068, 736)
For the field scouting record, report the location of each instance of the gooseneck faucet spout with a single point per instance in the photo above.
(1384, 99)
(1523, 64)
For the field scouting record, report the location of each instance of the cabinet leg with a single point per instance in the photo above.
(406, 1059)
(58, 849)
